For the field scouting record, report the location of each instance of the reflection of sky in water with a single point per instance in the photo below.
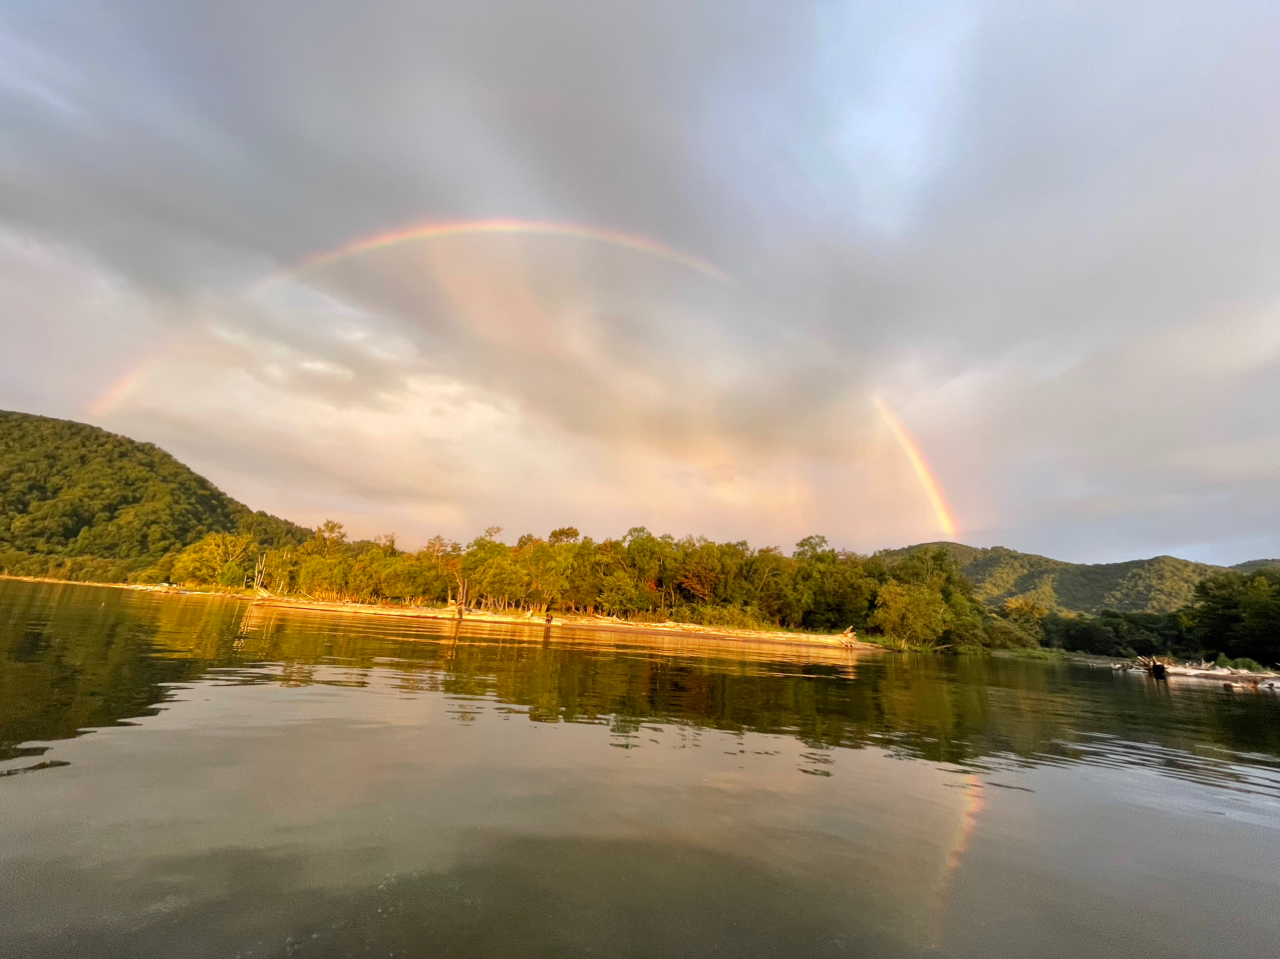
(319, 786)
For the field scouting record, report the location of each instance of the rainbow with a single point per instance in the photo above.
(437, 231)
(120, 388)
(924, 473)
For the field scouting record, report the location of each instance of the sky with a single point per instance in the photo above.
(993, 272)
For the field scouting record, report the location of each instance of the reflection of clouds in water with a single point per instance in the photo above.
(503, 896)
(645, 843)
(316, 783)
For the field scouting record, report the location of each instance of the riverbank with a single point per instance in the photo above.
(574, 621)
(1246, 679)
(1230, 678)
(477, 617)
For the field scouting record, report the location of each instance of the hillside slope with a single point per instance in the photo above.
(1157, 585)
(80, 502)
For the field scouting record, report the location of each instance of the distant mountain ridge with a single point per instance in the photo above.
(1253, 565)
(79, 502)
(1161, 584)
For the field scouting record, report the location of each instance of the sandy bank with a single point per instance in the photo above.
(479, 617)
(575, 621)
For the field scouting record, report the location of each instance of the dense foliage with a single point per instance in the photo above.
(81, 503)
(1233, 618)
(919, 600)
(1125, 634)
(1237, 614)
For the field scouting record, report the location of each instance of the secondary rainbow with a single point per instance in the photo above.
(423, 232)
(924, 472)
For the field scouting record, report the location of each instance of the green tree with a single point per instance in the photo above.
(619, 593)
(217, 559)
(1238, 614)
(910, 614)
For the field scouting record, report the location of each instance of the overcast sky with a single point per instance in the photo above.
(1046, 236)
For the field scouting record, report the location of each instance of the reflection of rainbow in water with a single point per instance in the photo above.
(961, 836)
(437, 231)
(924, 473)
(975, 799)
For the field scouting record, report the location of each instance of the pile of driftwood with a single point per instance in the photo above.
(1162, 667)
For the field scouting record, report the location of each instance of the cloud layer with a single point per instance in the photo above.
(1047, 238)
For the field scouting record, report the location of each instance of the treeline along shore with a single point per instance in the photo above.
(641, 578)
(921, 600)
(80, 503)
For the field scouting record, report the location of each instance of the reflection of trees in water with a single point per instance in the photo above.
(74, 657)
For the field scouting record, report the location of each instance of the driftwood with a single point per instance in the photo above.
(1164, 667)
(849, 638)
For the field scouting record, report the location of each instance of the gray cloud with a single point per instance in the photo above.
(995, 216)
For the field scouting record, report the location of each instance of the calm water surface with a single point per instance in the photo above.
(192, 777)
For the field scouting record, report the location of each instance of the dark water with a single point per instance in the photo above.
(192, 777)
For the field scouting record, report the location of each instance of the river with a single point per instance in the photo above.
(197, 777)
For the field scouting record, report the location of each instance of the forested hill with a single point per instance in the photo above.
(77, 502)
(80, 502)
(1158, 585)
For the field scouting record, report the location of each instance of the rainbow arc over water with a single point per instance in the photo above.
(435, 230)
(120, 389)
(920, 465)
(106, 402)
